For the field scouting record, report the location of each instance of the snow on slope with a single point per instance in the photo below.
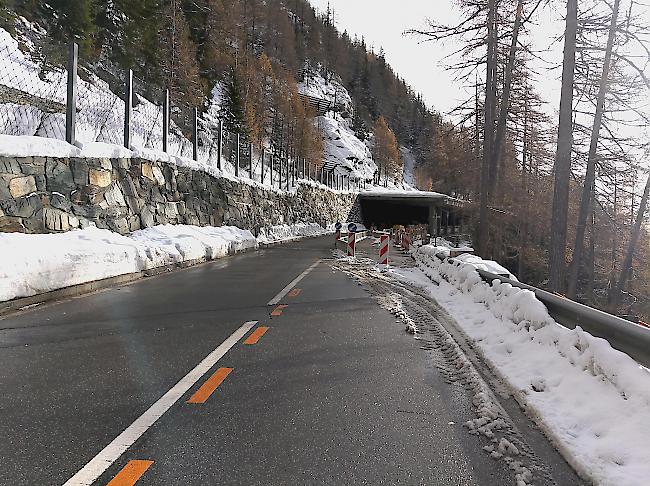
(332, 91)
(591, 400)
(409, 166)
(343, 151)
(100, 116)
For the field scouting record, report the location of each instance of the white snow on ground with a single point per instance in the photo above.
(592, 400)
(33, 264)
(444, 247)
(288, 232)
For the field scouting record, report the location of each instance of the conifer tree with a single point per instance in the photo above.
(75, 21)
(233, 111)
(177, 56)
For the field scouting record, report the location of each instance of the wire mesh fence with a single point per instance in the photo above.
(32, 94)
(36, 98)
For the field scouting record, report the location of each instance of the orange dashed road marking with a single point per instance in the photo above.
(210, 385)
(256, 335)
(278, 310)
(130, 473)
(294, 293)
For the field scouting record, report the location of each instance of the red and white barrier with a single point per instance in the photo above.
(383, 249)
(352, 244)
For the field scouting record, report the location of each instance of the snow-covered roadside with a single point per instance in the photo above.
(592, 400)
(33, 264)
(289, 232)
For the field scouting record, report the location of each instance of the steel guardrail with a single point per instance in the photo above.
(623, 335)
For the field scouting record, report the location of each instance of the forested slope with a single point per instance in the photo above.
(259, 55)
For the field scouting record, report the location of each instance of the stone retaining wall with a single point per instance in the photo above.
(48, 194)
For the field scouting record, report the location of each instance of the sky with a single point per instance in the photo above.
(382, 23)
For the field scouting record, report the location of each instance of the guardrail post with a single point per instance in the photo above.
(195, 134)
(237, 158)
(219, 144)
(128, 107)
(71, 100)
(166, 120)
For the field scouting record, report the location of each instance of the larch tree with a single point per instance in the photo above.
(590, 177)
(177, 56)
(562, 166)
(386, 149)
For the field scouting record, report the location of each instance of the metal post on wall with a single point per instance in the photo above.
(237, 158)
(71, 100)
(219, 144)
(287, 173)
(280, 173)
(271, 168)
(262, 169)
(165, 120)
(195, 134)
(128, 107)
(250, 160)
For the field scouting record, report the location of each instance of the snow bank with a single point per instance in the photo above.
(592, 400)
(32, 264)
(475, 261)
(287, 232)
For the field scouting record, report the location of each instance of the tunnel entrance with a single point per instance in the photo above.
(442, 214)
(385, 213)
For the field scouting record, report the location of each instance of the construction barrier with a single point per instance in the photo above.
(383, 250)
(352, 244)
(406, 241)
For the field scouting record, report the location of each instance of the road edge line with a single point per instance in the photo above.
(94, 468)
(292, 284)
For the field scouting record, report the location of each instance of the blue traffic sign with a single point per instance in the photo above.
(352, 227)
(338, 226)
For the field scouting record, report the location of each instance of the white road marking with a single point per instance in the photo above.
(102, 461)
(292, 284)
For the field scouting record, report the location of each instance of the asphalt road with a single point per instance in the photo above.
(333, 392)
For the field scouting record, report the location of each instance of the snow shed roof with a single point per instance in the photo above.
(414, 197)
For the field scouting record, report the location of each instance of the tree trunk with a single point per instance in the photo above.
(505, 100)
(557, 258)
(590, 177)
(488, 138)
(523, 232)
(591, 262)
(636, 231)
